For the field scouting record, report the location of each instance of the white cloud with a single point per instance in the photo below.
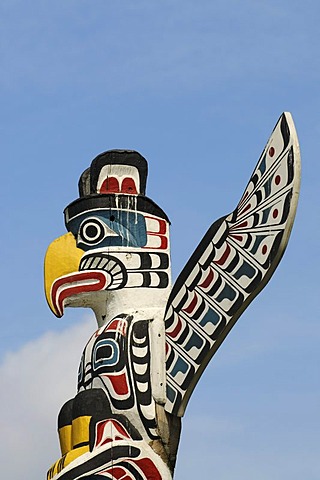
(251, 425)
(36, 381)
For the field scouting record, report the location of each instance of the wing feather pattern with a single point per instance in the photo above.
(232, 263)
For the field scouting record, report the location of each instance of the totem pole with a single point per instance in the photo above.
(153, 342)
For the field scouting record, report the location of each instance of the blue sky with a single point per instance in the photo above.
(196, 87)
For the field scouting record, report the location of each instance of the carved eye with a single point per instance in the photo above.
(106, 354)
(92, 231)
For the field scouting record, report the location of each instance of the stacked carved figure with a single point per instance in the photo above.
(154, 340)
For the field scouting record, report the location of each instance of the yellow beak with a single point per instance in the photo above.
(62, 258)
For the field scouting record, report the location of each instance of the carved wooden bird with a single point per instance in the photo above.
(153, 341)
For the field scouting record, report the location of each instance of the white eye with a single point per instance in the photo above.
(92, 231)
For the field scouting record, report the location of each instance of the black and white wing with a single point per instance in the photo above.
(232, 263)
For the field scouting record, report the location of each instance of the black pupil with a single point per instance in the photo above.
(112, 218)
(104, 352)
(91, 231)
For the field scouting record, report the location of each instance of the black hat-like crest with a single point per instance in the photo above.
(115, 171)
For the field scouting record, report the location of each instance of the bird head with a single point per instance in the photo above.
(117, 238)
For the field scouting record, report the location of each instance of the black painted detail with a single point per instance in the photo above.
(140, 355)
(119, 157)
(147, 261)
(65, 415)
(111, 454)
(109, 201)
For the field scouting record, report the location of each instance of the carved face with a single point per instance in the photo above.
(117, 239)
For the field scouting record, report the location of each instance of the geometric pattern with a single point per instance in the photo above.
(232, 263)
(117, 360)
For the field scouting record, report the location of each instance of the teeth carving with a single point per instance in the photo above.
(109, 264)
(95, 262)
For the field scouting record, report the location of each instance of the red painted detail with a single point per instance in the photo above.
(117, 326)
(208, 280)
(160, 233)
(110, 185)
(148, 468)
(264, 249)
(237, 237)
(70, 289)
(277, 180)
(167, 348)
(224, 257)
(128, 186)
(271, 151)
(163, 243)
(162, 225)
(243, 224)
(192, 305)
(109, 440)
(118, 432)
(176, 330)
(119, 383)
(120, 429)
(247, 207)
(99, 432)
(275, 213)
(118, 473)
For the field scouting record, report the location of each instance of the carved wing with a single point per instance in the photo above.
(233, 262)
